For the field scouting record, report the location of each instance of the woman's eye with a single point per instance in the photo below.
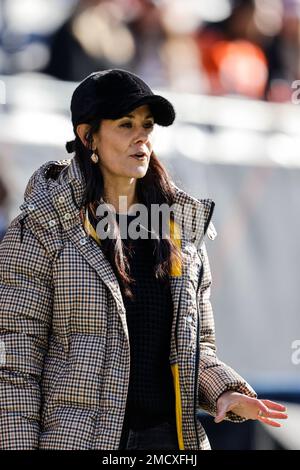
(147, 125)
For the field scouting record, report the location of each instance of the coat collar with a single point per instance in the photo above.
(54, 194)
(191, 214)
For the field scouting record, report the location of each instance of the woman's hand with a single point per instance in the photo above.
(249, 408)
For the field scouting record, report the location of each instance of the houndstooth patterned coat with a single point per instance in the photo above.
(64, 346)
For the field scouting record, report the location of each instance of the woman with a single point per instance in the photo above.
(108, 342)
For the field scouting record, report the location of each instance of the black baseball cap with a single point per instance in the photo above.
(112, 93)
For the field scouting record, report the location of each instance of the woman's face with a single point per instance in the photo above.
(118, 140)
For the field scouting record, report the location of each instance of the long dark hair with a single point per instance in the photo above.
(154, 188)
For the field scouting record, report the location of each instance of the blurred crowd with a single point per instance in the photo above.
(216, 47)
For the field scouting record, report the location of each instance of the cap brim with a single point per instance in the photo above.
(162, 110)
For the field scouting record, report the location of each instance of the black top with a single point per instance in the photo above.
(151, 396)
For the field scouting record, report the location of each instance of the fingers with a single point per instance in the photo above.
(276, 414)
(218, 419)
(265, 413)
(263, 408)
(273, 405)
(272, 414)
(221, 413)
(269, 422)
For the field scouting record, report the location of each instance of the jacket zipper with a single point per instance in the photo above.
(197, 362)
(197, 359)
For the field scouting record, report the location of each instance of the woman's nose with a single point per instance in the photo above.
(142, 136)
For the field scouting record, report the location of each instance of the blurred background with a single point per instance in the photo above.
(231, 68)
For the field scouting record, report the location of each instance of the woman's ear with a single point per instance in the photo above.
(83, 132)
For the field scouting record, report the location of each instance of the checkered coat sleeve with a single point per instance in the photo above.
(215, 377)
(25, 315)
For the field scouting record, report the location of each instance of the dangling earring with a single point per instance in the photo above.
(94, 157)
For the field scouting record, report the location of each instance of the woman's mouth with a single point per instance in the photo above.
(139, 156)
